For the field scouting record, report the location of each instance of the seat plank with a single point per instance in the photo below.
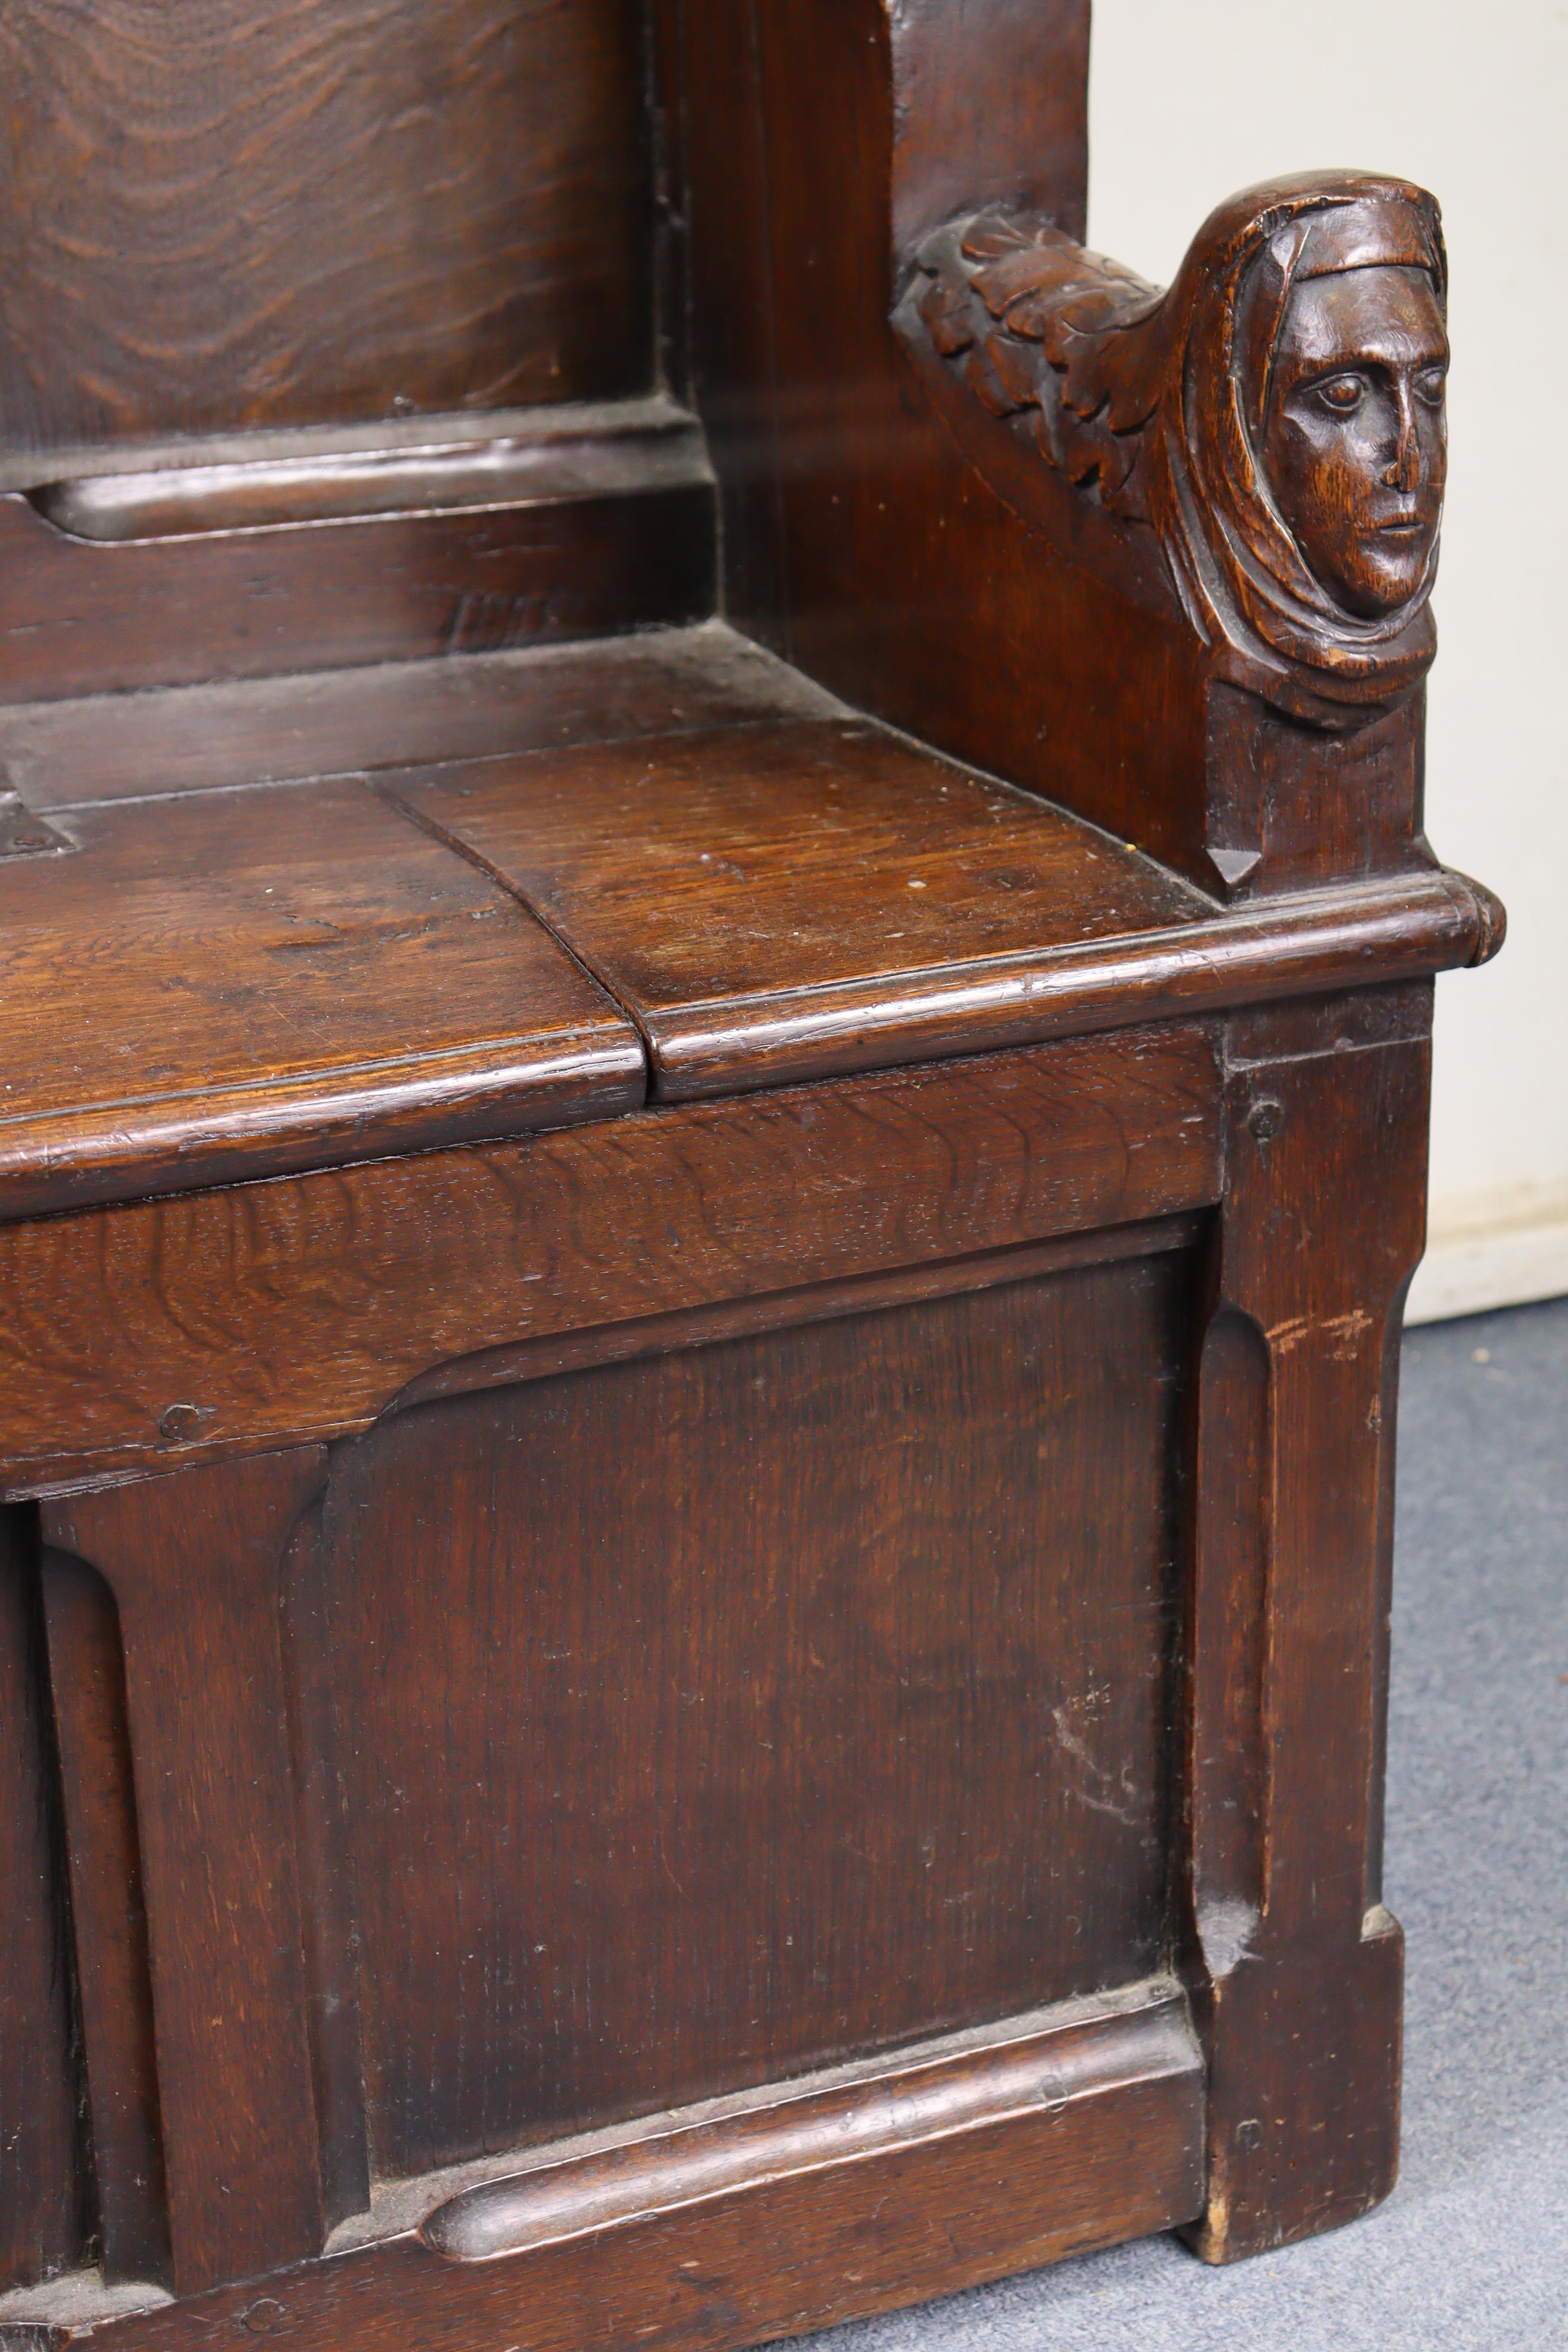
(98, 746)
(239, 984)
(823, 896)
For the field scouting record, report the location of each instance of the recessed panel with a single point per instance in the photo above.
(723, 1714)
(317, 212)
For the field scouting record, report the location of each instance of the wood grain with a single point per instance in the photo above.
(887, 530)
(219, 220)
(86, 1673)
(859, 540)
(709, 1396)
(1117, 2157)
(707, 868)
(1300, 1966)
(396, 714)
(194, 1566)
(142, 1335)
(856, 2114)
(989, 108)
(45, 2188)
(84, 616)
(250, 982)
(889, 1761)
(325, 1863)
(557, 456)
(783, 1311)
(822, 898)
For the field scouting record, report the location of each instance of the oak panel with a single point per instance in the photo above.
(389, 715)
(91, 616)
(858, 539)
(145, 1334)
(228, 217)
(738, 1711)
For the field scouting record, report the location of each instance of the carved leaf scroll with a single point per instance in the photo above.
(1027, 314)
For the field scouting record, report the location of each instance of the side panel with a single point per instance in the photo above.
(821, 136)
(628, 1736)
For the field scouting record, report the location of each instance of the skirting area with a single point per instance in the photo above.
(1472, 2248)
(1508, 1256)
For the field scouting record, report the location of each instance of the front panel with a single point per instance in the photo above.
(717, 1716)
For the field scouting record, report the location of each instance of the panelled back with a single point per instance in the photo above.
(234, 214)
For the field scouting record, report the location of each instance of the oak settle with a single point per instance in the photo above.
(717, 958)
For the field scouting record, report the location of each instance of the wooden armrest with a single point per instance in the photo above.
(1269, 434)
(1119, 547)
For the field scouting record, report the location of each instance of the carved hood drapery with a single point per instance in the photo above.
(1156, 402)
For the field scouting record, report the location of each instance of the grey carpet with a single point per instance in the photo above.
(1471, 2254)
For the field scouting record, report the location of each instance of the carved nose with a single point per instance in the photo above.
(1403, 470)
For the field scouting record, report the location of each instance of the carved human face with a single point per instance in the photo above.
(1355, 442)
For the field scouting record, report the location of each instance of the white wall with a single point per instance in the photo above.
(1191, 98)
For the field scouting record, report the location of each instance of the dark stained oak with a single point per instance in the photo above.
(325, 1867)
(824, 1302)
(1108, 2151)
(908, 522)
(253, 981)
(147, 1334)
(859, 903)
(322, 211)
(263, 481)
(1299, 1964)
(115, 1986)
(44, 2184)
(1267, 436)
(85, 616)
(1001, 114)
(903, 1781)
(855, 2114)
(710, 866)
(396, 714)
(194, 1567)
(859, 541)
(825, 897)
(697, 1383)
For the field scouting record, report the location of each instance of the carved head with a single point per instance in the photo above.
(1354, 443)
(1340, 356)
(1276, 415)
(1308, 486)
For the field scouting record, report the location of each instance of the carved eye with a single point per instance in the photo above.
(1429, 386)
(1341, 394)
